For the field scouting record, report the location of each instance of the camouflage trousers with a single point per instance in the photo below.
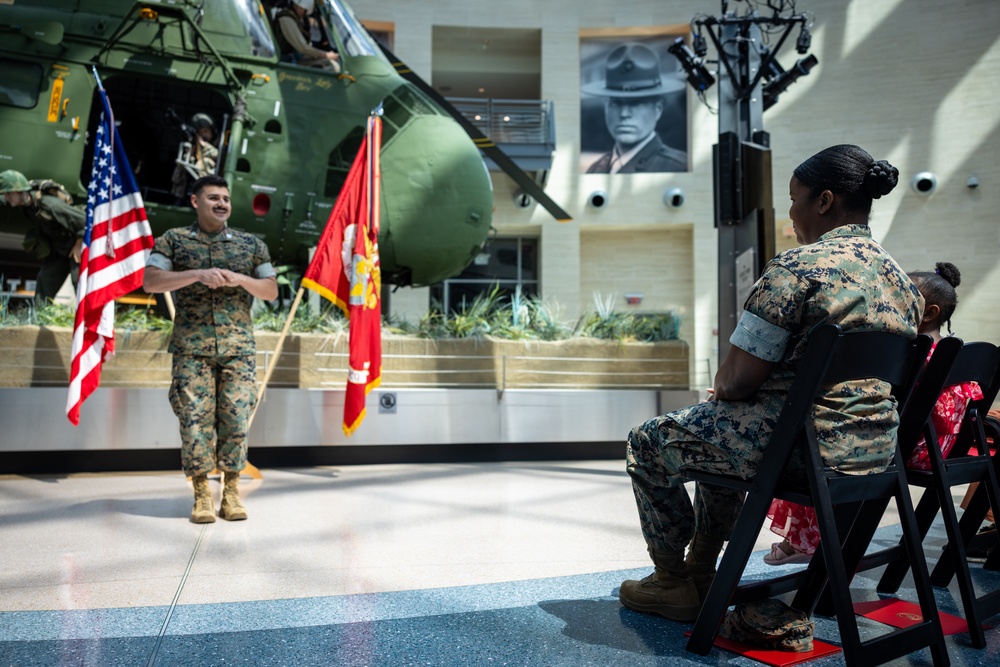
(213, 398)
(659, 451)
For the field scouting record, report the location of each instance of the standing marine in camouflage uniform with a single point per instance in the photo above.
(839, 275)
(56, 239)
(214, 272)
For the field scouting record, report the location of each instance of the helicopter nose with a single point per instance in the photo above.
(437, 200)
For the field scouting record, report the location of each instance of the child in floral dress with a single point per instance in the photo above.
(797, 523)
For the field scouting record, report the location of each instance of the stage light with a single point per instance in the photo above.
(779, 83)
(699, 45)
(804, 41)
(772, 68)
(697, 75)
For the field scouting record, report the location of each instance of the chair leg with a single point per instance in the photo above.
(839, 583)
(921, 577)
(895, 571)
(814, 595)
(727, 578)
(969, 524)
(993, 561)
(956, 546)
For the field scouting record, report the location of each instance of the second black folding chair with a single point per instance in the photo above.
(968, 461)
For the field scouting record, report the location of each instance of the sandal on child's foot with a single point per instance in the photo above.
(779, 556)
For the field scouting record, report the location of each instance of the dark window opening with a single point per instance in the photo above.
(504, 264)
(154, 118)
(340, 161)
(20, 84)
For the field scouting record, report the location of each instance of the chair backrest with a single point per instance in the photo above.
(952, 363)
(833, 357)
(977, 362)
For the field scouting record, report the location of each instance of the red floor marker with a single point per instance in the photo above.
(903, 614)
(776, 658)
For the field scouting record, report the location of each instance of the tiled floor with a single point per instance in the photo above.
(435, 564)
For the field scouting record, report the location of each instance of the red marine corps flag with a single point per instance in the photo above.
(346, 271)
(116, 244)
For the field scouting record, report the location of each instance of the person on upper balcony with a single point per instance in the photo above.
(293, 30)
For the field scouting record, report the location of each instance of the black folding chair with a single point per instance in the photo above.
(832, 357)
(952, 363)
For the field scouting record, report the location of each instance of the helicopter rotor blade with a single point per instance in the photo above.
(486, 145)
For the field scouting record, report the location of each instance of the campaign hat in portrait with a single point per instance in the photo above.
(633, 70)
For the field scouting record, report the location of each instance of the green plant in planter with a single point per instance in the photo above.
(528, 318)
(141, 319)
(328, 319)
(55, 314)
(607, 323)
(518, 317)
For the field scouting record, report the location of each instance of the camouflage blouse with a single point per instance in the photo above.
(212, 322)
(843, 278)
(59, 225)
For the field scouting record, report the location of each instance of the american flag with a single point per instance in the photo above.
(115, 247)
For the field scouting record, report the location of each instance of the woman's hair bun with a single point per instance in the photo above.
(949, 272)
(881, 178)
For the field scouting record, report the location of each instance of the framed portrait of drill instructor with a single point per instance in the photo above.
(633, 102)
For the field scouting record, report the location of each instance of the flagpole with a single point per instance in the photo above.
(250, 469)
(169, 300)
(277, 353)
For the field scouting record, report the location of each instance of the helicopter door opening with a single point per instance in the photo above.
(172, 133)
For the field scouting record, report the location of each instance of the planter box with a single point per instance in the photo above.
(40, 357)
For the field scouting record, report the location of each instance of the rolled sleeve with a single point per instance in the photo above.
(265, 270)
(760, 338)
(158, 261)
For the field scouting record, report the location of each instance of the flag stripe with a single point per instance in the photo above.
(328, 294)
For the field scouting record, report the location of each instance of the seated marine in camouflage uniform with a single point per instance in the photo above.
(215, 272)
(839, 275)
(56, 239)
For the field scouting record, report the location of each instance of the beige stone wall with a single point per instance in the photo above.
(654, 261)
(913, 82)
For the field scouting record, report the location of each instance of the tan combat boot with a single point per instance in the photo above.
(232, 509)
(700, 561)
(202, 512)
(669, 591)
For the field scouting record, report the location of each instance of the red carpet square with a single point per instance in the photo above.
(776, 658)
(903, 614)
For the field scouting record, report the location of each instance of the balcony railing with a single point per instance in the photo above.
(523, 129)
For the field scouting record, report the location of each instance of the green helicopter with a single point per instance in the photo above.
(284, 134)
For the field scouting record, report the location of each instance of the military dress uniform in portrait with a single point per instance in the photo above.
(635, 97)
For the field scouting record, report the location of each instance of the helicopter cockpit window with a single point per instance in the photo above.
(20, 83)
(355, 39)
(236, 26)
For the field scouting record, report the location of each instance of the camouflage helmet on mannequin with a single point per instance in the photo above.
(13, 181)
